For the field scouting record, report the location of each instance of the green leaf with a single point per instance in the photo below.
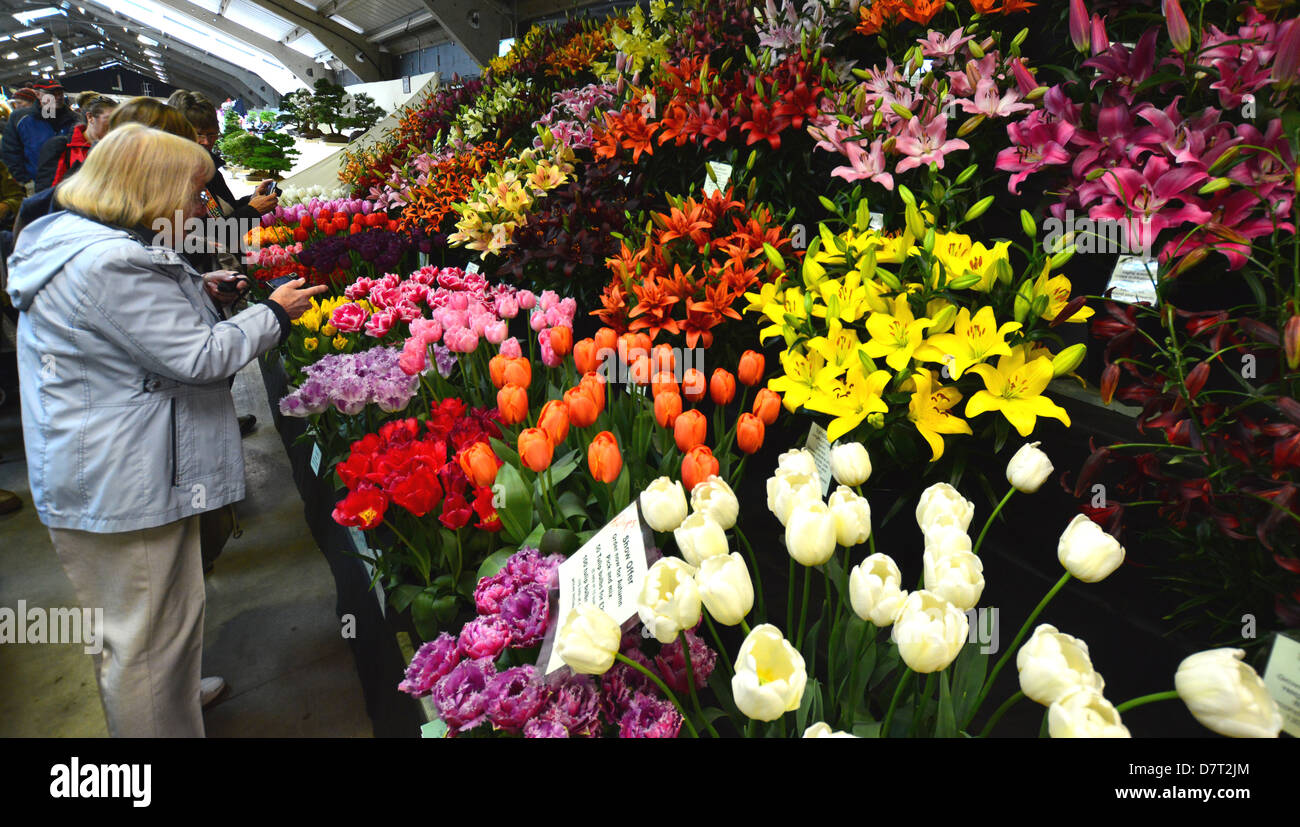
(558, 541)
(517, 516)
(810, 707)
(494, 562)
(865, 729)
(967, 680)
(534, 538)
(562, 468)
(402, 596)
(507, 454)
(946, 725)
(571, 505)
(424, 614)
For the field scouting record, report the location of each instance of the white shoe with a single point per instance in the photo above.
(210, 689)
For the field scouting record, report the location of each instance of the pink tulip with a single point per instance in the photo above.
(511, 348)
(495, 332)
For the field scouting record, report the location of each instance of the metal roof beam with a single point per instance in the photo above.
(302, 66)
(477, 27)
(356, 51)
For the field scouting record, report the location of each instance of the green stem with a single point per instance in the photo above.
(1015, 643)
(1002, 710)
(989, 521)
(744, 626)
(1134, 703)
(893, 704)
(789, 600)
(414, 550)
(668, 693)
(717, 640)
(690, 682)
(758, 576)
(803, 611)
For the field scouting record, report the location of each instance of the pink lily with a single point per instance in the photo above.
(935, 44)
(1147, 196)
(868, 164)
(1035, 143)
(1228, 230)
(988, 103)
(926, 144)
(1123, 70)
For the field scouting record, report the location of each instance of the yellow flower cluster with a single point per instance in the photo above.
(501, 201)
(886, 319)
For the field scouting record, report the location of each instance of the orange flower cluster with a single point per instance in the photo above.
(577, 55)
(697, 260)
(880, 13)
(447, 182)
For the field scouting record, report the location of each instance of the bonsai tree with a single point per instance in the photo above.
(236, 147)
(272, 154)
(296, 110)
(363, 112)
(327, 106)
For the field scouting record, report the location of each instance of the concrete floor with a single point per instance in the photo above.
(270, 628)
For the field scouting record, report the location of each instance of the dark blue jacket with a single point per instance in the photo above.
(26, 133)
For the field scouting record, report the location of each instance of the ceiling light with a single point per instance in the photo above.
(148, 41)
(11, 56)
(28, 33)
(26, 17)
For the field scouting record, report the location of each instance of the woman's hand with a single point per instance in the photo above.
(294, 298)
(225, 286)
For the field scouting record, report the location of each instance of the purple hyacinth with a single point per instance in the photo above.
(461, 696)
(527, 612)
(648, 716)
(514, 697)
(433, 660)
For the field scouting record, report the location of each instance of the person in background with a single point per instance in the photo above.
(11, 195)
(49, 117)
(84, 99)
(128, 420)
(202, 116)
(62, 155)
(147, 111)
(10, 147)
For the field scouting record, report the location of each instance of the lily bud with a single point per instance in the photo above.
(901, 111)
(1052, 664)
(965, 174)
(1027, 224)
(1087, 552)
(1180, 31)
(1109, 381)
(978, 208)
(1286, 63)
(1291, 342)
(1059, 260)
(1079, 33)
(1227, 696)
(915, 224)
(875, 590)
(1100, 41)
(1068, 359)
(1214, 185)
(1029, 468)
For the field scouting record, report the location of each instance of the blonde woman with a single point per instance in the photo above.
(127, 416)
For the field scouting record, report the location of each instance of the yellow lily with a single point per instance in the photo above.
(1015, 388)
(850, 401)
(895, 337)
(974, 340)
(839, 349)
(930, 411)
(1057, 289)
(799, 381)
(960, 256)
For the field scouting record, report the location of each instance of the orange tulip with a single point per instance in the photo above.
(632, 346)
(603, 458)
(750, 370)
(512, 402)
(606, 339)
(584, 355)
(662, 382)
(694, 385)
(518, 371)
(663, 359)
(554, 419)
(697, 466)
(722, 387)
(690, 429)
(767, 405)
(639, 370)
(479, 464)
(668, 406)
(583, 410)
(497, 369)
(535, 449)
(749, 433)
(596, 386)
(561, 340)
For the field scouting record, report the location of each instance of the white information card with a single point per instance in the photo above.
(820, 447)
(1282, 678)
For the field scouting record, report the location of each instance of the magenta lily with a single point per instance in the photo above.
(1148, 196)
(1124, 70)
(1036, 143)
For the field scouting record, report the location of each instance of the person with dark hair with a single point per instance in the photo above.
(202, 115)
(29, 129)
(63, 154)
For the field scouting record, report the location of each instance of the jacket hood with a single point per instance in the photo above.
(46, 246)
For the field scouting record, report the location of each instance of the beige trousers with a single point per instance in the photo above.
(150, 585)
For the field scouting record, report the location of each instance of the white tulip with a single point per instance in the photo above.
(944, 505)
(1052, 664)
(1084, 713)
(1226, 695)
(787, 489)
(942, 540)
(588, 640)
(875, 589)
(821, 729)
(799, 460)
(929, 632)
(663, 504)
(1087, 552)
(770, 675)
(669, 600)
(715, 497)
(850, 463)
(725, 588)
(810, 534)
(957, 577)
(700, 537)
(1029, 468)
(852, 517)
